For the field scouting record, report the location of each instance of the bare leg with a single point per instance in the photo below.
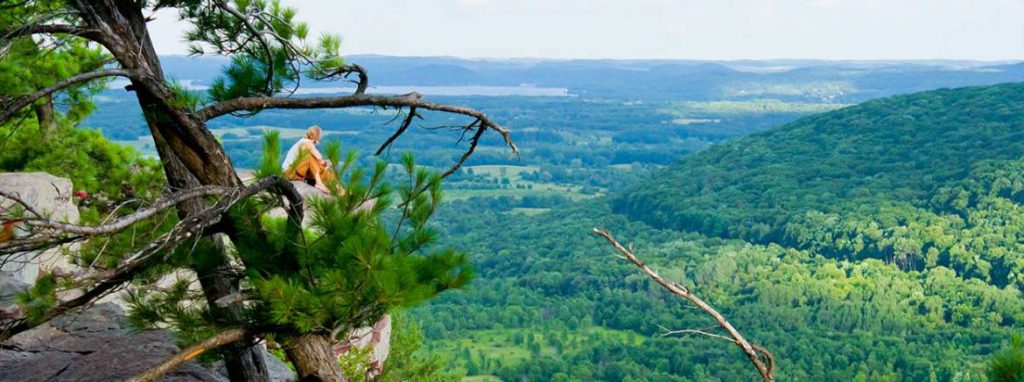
(320, 183)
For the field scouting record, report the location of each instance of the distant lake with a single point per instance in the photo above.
(448, 90)
(496, 91)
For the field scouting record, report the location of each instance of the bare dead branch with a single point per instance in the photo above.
(159, 249)
(173, 362)
(344, 72)
(665, 332)
(9, 107)
(767, 357)
(401, 129)
(765, 367)
(411, 100)
(473, 142)
(52, 228)
(17, 200)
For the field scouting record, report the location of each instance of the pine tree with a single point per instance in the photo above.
(1007, 365)
(345, 270)
(270, 54)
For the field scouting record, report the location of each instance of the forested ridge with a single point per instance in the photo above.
(853, 245)
(919, 180)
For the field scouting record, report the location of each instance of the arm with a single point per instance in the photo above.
(312, 150)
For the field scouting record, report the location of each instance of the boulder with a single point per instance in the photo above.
(309, 193)
(51, 196)
(99, 345)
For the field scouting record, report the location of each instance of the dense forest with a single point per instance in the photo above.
(920, 181)
(942, 187)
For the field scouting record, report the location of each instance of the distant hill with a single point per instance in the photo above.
(792, 80)
(920, 180)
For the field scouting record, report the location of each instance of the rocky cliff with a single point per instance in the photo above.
(51, 196)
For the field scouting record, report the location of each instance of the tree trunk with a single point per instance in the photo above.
(190, 154)
(46, 117)
(313, 357)
(244, 361)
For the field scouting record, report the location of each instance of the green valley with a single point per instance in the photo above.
(935, 175)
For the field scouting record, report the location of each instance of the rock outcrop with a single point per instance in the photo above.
(51, 196)
(96, 345)
(99, 345)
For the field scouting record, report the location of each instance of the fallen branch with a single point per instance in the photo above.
(765, 366)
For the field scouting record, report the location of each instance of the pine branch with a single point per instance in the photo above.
(264, 45)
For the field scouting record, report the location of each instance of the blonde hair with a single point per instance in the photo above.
(313, 133)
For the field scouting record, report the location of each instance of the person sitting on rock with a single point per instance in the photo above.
(305, 163)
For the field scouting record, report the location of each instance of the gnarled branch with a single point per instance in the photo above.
(344, 72)
(10, 106)
(32, 29)
(765, 366)
(411, 100)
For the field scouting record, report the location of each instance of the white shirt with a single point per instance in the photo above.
(293, 154)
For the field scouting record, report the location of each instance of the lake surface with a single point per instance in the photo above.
(447, 90)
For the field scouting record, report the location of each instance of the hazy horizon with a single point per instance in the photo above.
(642, 59)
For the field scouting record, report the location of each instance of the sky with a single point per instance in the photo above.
(661, 29)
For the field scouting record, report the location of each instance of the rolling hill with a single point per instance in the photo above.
(920, 180)
(876, 242)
